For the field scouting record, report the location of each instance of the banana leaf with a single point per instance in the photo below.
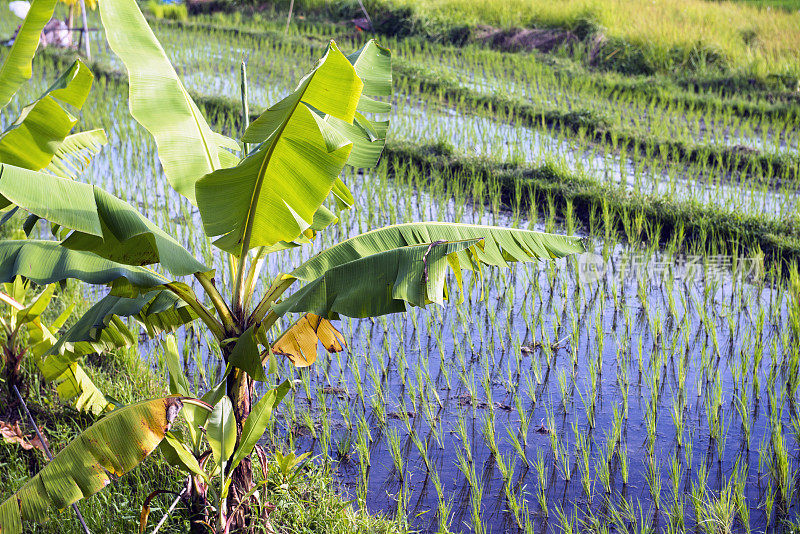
(17, 67)
(111, 447)
(187, 147)
(273, 195)
(103, 223)
(36, 135)
(500, 246)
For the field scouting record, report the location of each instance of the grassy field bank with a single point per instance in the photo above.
(672, 36)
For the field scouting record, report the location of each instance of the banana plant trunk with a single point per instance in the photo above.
(240, 388)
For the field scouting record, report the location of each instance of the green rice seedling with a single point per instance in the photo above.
(568, 523)
(462, 433)
(768, 503)
(744, 415)
(562, 384)
(615, 438)
(541, 477)
(551, 431)
(676, 473)
(584, 464)
(738, 483)
(310, 424)
(654, 481)
(467, 468)
(622, 456)
(716, 514)
(677, 516)
(444, 512)
(515, 504)
(602, 467)
(780, 466)
(563, 460)
(518, 445)
(589, 407)
(395, 449)
(344, 446)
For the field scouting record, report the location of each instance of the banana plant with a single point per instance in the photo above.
(275, 188)
(26, 334)
(41, 137)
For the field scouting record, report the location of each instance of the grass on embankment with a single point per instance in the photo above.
(598, 128)
(706, 227)
(311, 505)
(631, 36)
(742, 95)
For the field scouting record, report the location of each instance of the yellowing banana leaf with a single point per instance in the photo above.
(379, 284)
(103, 223)
(76, 386)
(17, 67)
(499, 247)
(101, 328)
(31, 141)
(112, 446)
(73, 384)
(76, 152)
(187, 147)
(299, 343)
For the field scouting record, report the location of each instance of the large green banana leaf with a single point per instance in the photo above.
(187, 147)
(380, 283)
(76, 152)
(32, 140)
(373, 65)
(380, 271)
(18, 65)
(103, 223)
(45, 262)
(274, 193)
(112, 446)
(101, 327)
(499, 246)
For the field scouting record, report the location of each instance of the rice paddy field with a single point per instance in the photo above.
(649, 385)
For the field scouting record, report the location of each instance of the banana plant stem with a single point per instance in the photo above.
(221, 306)
(263, 307)
(189, 298)
(47, 450)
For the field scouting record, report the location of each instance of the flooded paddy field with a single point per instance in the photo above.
(641, 386)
